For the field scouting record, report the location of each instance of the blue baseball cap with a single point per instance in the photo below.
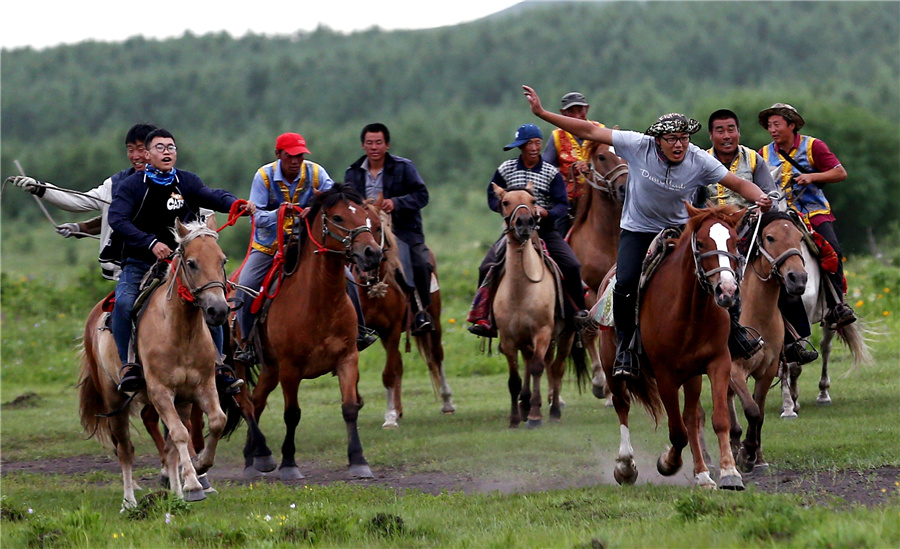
(524, 134)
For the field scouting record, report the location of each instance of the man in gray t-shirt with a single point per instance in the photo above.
(664, 169)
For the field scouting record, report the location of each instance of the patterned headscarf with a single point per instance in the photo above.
(672, 123)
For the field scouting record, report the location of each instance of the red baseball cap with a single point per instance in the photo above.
(291, 143)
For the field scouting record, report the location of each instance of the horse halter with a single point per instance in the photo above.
(604, 182)
(703, 275)
(190, 291)
(775, 263)
(347, 240)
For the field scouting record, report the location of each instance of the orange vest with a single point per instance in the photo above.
(569, 152)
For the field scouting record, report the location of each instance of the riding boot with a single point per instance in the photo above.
(365, 336)
(839, 314)
(480, 312)
(797, 351)
(132, 375)
(226, 382)
(627, 364)
(740, 343)
(422, 320)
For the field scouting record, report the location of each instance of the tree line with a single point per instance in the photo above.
(452, 98)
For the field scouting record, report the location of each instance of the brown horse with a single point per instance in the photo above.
(525, 306)
(774, 262)
(178, 354)
(310, 327)
(684, 327)
(594, 236)
(386, 307)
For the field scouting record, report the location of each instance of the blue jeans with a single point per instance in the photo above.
(127, 290)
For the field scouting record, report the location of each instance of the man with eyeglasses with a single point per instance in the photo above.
(665, 169)
(95, 199)
(143, 211)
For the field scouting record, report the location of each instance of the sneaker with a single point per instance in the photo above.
(132, 378)
(365, 337)
(585, 322)
(840, 316)
(245, 353)
(482, 328)
(741, 344)
(627, 365)
(422, 323)
(797, 352)
(226, 382)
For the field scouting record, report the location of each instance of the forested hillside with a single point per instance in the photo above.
(452, 98)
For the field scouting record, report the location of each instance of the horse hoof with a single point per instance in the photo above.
(534, 423)
(392, 424)
(823, 401)
(789, 415)
(264, 464)
(705, 481)
(448, 408)
(361, 471)
(743, 462)
(252, 473)
(598, 391)
(164, 481)
(204, 481)
(609, 402)
(290, 473)
(626, 474)
(666, 470)
(760, 466)
(194, 495)
(731, 482)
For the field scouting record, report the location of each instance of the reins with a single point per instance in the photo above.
(527, 241)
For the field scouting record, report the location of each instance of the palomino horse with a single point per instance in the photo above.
(386, 308)
(594, 236)
(178, 355)
(774, 262)
(525, 307)
(853, 335)
(684, 326)
(310, 327)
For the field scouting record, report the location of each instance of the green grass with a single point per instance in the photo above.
(42, 322)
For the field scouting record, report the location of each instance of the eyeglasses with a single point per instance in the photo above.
(672, 140)
(165, 148)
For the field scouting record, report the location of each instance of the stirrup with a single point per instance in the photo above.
(245, 353)
(797, 352)
(226, 381)
(482, 328)
(422, 323)
(132, 378)
(627, 365)
(584, 322)
(365, 337)
(743, 345)
(840, 315)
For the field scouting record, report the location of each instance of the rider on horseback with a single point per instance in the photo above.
(550, 191)
(805, 164)
(664, 171)
(142, 214)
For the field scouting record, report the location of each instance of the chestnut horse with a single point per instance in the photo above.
(684, 326)
(525, 306)
(386, 308)
(774, 262)
(178, 356)
(310, 327)
(594, 236)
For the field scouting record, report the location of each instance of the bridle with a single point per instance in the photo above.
(704, 275)
(349, 236)
(527, 240)
(604, 182)
(775, 263)
(188, 290)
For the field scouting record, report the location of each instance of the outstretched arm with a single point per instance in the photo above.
(578, 128)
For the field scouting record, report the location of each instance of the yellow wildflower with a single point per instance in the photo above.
(858, 305)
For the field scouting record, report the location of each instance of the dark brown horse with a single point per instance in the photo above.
(386, 307)
(310, 327)
(774, 262)
(684, 325)
(178, 355)
(594, 236)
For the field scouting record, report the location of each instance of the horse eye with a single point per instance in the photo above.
(770, 238)
(224, 260)
(602, 157)
(505, 203)
(337, 219)
(192, 264)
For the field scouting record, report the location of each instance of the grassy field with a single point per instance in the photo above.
(506, 473)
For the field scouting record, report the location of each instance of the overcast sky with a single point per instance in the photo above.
(43, 23)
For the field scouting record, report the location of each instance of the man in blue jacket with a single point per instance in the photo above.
(144, 208)
(405, 194)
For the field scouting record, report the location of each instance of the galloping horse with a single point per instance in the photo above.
(594, 237)
(178, 356)
(853, 336)
(684, 327)
(386, 309)
(310, 328)
(774, 262)
(525, 306)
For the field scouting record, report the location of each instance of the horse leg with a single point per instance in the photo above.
(746, 451)
(691, 418)
(795, 369)
(787, 401)
(824, 399)
(391, 378)
(536, 369)
(288, 468)
(433, 353)
(121, 437)
(208, 403)
(598, 378)
(348, 378)
(150, 419)
(625, 471)
(515, 386)
(177, 453)
(719, 373)
(555, 370)
(669, 462)
(760, 392)
(257, 455)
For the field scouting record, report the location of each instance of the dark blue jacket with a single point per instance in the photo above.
(136, 229)
(401, 183)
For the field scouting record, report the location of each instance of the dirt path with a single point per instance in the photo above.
(869, 488)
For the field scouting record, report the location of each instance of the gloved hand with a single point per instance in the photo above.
(25, 183)
(67, 230)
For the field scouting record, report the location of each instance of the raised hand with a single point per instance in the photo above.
(25, 183)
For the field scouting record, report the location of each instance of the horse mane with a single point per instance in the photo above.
(338, 193)
(587, 197)
(391, 258)
(724, 213)
(194, 229)
(773, 215)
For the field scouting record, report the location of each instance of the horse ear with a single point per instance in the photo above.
(182, 230)
(530, 187)
(379, 201)
(691, 210)
(498, 190)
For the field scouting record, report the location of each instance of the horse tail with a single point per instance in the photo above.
(233, 415)
(645, 390)
(578, 362)
(856, 337)
(90, 398)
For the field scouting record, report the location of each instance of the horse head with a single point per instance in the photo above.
(199, 266)
(348, 227)
(520, 211)
(779, 242)
(714, 245)
(608, 172)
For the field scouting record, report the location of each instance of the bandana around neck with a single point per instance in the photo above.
(158, 176)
